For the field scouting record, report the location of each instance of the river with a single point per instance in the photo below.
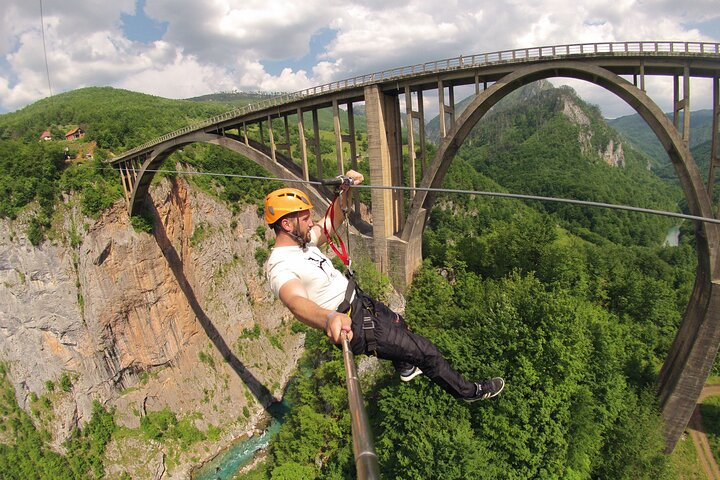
(226, 464)
(672, 239)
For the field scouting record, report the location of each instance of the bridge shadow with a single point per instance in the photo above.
(709, 416)
(261, 393)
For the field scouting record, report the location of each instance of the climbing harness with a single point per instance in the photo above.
(368, 323)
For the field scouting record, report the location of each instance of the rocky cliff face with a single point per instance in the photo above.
(142, 322)
(612, 154)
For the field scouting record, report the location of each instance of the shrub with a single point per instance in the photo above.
(251, 333)
(95, 199)
(142, 222)
(199, 233)
(372, 281)
(261, 255)
(65, 382)
(35, 231)
(155, 425)
(205, 358)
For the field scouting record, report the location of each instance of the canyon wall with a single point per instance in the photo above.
(180, 318)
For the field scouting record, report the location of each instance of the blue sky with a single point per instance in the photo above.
(139, 27)
(178, 49)
(317, 45)
(711, 27)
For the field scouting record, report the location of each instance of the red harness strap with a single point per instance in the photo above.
(338, 248)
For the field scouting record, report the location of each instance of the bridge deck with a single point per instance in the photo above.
(622, 58)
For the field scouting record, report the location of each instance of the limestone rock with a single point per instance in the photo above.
(143, 322)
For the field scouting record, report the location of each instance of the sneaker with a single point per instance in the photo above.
(487, 389)
(407, 375)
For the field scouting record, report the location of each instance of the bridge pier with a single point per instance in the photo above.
(386, 168)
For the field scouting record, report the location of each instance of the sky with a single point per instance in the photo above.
(184, 48)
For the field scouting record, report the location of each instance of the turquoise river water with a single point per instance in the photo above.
(227, 463)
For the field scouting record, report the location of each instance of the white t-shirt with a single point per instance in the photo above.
(325, 284)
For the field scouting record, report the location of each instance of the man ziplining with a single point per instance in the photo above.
(319, 295)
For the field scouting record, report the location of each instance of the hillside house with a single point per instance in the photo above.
(75, 133)
(46, 136)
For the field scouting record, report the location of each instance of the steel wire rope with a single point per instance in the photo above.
(517, 196)
(42, 29)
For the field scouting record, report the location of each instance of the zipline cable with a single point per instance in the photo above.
(516, 196)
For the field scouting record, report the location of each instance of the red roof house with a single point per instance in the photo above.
(75, 133)
(46, 135)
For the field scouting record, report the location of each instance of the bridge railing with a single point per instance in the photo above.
(454, 63)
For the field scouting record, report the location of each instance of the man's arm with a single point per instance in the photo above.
(343, 201)
(295, 298)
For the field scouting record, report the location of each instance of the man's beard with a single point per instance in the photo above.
(302, 240)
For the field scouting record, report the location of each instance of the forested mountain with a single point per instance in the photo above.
(553, 144)
(112, 121)
(325, 116)
(546, 141)
(238, 99)
(115, 119)
(512, 100)
(574, 307)
(636, 131)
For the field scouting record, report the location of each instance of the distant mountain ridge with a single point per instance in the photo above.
(547, 141)
(637, 132)
(432, 127)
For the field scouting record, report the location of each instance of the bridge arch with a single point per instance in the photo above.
(693, 351)
(692, 184)
(252, 150)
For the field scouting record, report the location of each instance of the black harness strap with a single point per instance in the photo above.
(345, 305)
(368, 310)
(368, 322)
(369, 331)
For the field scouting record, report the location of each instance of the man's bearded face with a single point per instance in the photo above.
(302, 226)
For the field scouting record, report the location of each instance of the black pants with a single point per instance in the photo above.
(395, 342)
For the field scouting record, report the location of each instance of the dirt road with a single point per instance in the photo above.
(697, 433)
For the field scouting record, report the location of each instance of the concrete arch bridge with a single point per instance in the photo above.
(394, 240)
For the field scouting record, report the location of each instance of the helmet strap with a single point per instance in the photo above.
(296, 235)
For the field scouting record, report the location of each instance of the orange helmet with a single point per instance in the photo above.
(283, 201)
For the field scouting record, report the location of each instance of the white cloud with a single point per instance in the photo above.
(223, 30)
(376, 39)
(326, 72)
(222, 44)
(255, 78)
(181, 77)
